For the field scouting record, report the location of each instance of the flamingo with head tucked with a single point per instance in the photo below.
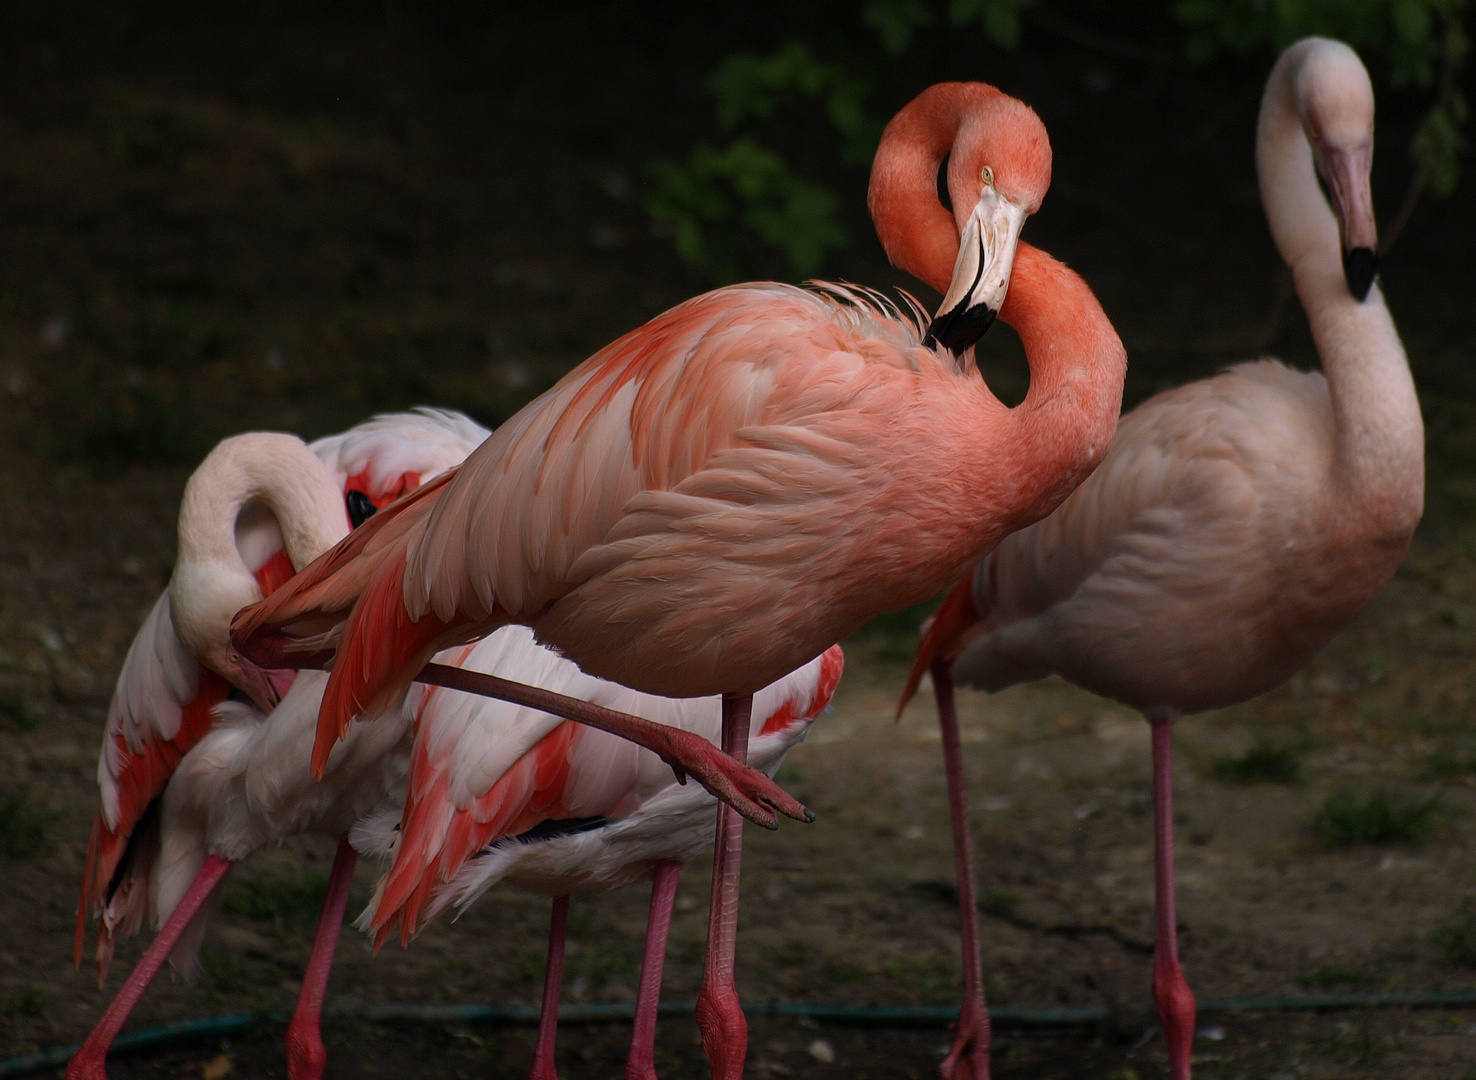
(712, 500)
(1238, 522)
(177, 756)
(582, 812)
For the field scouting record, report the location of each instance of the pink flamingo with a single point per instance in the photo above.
(177, 754)
(712, 500)
(1236, 524)
(581, 812)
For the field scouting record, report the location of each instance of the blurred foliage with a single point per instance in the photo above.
(1419, 43)
(720, 205)
(1266, 762)
(15, 715)
(718, 199)
(23, 825)
(1456, 939)
(1348, 818)
(289, 904)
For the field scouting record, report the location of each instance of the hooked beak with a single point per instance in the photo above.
(265, 687)
(981, 275)
(1347, 176)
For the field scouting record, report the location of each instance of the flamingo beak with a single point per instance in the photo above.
(265, 687)
(981, 275)
(1347, 175)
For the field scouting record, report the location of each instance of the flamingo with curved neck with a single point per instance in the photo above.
(172, 818)
(258, 509)
(714, 499)
(1237, 523)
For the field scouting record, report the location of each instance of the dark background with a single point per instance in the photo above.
(222, 217)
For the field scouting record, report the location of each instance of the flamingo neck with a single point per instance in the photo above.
(1066, 423)
(1378, 457)
(253, 496)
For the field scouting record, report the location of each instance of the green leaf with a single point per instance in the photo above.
(895, 20)
(999, 19)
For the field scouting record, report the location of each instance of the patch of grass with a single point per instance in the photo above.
(1456, 940)
(1451, 763)
(14, 713)
(1266, 762)
(23, 825)
(286, 903)
(1355, 1046)
(27, 1001)
(1331, 977)
(221, 973)
(1348, 818)
(109, 430)
(1001, 903)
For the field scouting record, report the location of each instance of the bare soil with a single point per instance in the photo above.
(260, 219)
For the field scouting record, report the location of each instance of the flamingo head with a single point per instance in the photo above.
(202, 601)
(957, 172)
(1336, 104)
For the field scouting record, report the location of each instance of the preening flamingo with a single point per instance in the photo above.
(1237, 523)
(712, 500)
(190, 782)
(581, 812)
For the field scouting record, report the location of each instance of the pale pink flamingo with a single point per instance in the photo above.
(1237, 523)
(177, 756)
(582, 812)
(712, 500)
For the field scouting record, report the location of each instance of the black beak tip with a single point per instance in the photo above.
(960, 329)
(1360, 267)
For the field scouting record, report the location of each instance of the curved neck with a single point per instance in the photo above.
(1379, 436)
(212, 578)
(1067, 421)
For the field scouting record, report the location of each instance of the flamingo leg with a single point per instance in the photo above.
(1170, 989)
(719, 1013)
(968, 1057)
(752, 793)
(640, 1063)
(88, 1062)
(553, 983)
(306, 1055)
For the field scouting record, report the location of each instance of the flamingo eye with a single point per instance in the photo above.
(943, 196)
(360, 508)
(988, 176)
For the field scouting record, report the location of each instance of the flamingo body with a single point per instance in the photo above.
(1203, 563)
(476, 799)
(1238, 522)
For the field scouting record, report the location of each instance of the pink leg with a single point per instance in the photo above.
(719, 1013)
(553, 982)
(968, 1058)
(87, 1063)
(1170, 990)
(640, 1063)
(306, 1056)
(754, 794)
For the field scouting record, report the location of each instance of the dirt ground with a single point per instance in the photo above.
(215, 223)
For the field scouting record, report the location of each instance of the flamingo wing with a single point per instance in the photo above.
(161, 707)
(747, 420)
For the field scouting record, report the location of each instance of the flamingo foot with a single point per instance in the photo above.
(968, 1057)
(1176, 1011)
(307, 1057)
(724, 1031)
